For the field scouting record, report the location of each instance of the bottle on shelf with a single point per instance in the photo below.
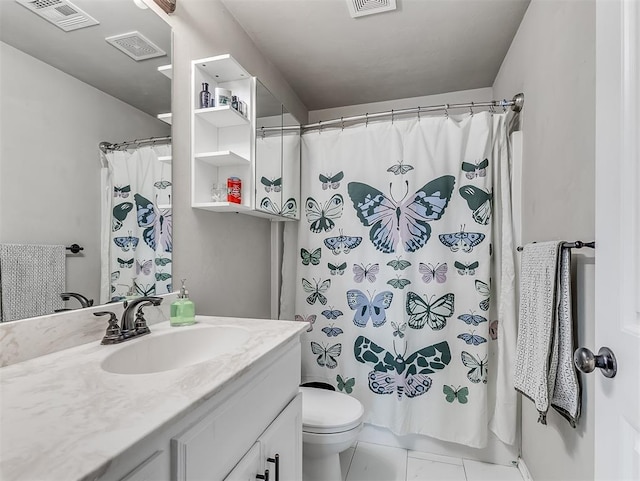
(205, 96)
(235, 105)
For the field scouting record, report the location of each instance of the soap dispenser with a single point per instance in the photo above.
(183, 311)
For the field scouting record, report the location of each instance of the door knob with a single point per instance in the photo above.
(586, 361)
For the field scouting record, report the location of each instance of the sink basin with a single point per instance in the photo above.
(179, 347)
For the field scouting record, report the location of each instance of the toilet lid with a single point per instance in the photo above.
(325, 411)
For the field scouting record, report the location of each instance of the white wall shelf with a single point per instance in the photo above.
(222, 158)
(221, 207)
(166, 70)
(223, 141)
(165, 118)
(222, 68)
(223, 116)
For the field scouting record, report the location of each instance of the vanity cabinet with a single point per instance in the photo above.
(232, 435)
(205, 451)
(260, 146)
(278, 450)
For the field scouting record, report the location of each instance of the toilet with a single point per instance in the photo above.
(331, 422)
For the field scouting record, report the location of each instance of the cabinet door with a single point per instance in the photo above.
(282, 444)
(248, 467)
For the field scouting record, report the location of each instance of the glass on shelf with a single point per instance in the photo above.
(218, 193)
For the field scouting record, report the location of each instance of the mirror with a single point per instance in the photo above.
(277, 156)
(61, 94)
(291, 152)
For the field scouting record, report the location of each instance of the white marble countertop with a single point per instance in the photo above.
(63, 417)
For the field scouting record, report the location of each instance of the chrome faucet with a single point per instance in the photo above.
(133, 323)
(84, 302)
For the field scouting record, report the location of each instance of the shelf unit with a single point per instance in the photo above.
(222, 138)
(223, 141)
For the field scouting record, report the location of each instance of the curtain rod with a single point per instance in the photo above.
(107, 146)
(516, 105)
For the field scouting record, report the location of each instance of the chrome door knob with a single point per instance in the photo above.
(586, 361)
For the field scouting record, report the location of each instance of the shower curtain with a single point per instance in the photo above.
(137, 237)
(404, 273)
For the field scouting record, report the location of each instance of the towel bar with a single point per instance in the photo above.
(74, 248)
(570, 245)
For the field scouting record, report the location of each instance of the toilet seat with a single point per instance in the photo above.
(329, 412)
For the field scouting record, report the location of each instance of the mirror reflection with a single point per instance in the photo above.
(69, 82)
(277, 156)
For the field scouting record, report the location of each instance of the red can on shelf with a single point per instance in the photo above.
(234, 190)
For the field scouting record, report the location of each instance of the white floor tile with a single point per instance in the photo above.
(435, 457)
(477, 471)
(425, 470)
(372, 462)
(345, 461)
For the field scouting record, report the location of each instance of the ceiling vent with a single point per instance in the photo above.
(136, 46)
(360, 8)
(62, 14)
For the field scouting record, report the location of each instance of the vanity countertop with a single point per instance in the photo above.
(63, 417)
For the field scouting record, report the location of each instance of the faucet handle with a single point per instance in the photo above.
(113, 335)
(141, 323)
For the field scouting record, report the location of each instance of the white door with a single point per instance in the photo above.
(617, 201)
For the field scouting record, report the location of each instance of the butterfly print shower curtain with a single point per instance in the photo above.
(137, 204)
(394, 266)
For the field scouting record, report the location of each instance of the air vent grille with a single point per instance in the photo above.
(359, 8)
(61, 13)
(136, 46)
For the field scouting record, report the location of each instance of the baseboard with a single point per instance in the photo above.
(524, 471)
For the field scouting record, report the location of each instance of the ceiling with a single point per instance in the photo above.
(424, 47)
(85, 54)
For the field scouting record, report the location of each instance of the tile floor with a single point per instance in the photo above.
(373, 462)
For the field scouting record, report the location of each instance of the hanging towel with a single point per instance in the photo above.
(31, 280)
(544, 365)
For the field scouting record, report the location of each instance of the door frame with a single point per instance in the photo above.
(617, 207)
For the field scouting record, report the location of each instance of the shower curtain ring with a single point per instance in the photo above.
(342, 123)
(391, 116)
(418, 114)
(471, 109)
(366, 123)
(319, 127)
(446, 110)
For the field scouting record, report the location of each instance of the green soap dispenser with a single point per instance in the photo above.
(183, 310)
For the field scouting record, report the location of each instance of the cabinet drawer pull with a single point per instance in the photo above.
(276, 461)
(264, 476)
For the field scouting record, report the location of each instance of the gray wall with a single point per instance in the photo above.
(225, 256)
(552, 60)
(52, 124)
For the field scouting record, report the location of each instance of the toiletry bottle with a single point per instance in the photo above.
(234, 103)
(183, 311)
(205, 96)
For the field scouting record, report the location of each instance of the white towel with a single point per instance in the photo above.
(31, 280)
(544, 365)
